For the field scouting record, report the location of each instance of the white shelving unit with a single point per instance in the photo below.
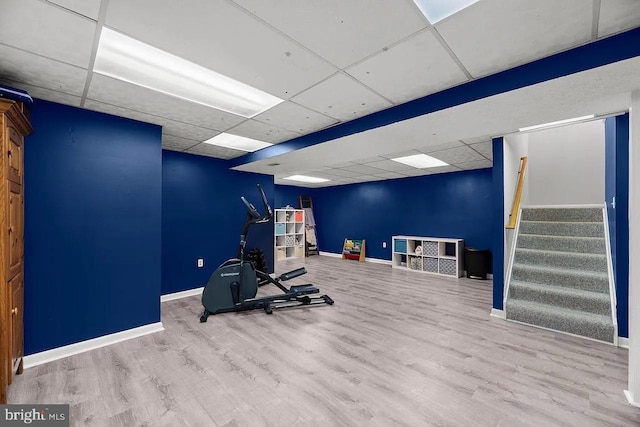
(289, 233)
(429, 255)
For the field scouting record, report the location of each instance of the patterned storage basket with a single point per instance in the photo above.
(431, 265)
(430, 248)
(448, 267)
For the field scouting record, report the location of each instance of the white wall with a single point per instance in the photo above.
(566, 165)
(633, 391)
(515, 147)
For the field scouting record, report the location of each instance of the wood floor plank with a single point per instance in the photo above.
(397, 349)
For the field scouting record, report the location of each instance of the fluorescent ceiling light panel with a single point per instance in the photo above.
(237, 142)
(132, 61)
(437, 10)
(559, 122)
(420, 161)
(303, 178)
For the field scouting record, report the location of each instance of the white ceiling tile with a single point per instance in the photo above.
(371, 160)
(389, 165)
(437, 147)
(390, 175)
(484, 148)
(296, 118)
(413, 68)
(88, 8)
(223, 37)
(457, 155)
(476, 140)
(340, 31)
(342, 98)
(178, 143)
(356, 179)
(415, 172)
(138, 98)
(342, 165)
(478, 164)
(366, 169)
(493, 35)
(618, 15)
(21, 66)
(169, 127)
(215, 151)
(263, 132)
(47, 30)
(42, 93)
(343, 173)
(430, 171)
(321, 174)
(401, 154)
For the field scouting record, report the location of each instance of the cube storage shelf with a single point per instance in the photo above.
(429, 255)
(289, 233)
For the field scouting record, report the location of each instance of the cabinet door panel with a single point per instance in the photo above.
(14, 153)
(17, 337)
(15, 231)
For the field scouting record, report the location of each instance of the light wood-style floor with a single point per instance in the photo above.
(397, 348)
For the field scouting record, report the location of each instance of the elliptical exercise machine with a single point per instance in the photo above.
(233, 285)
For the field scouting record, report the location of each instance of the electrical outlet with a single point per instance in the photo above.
(384, 244)
(200, 262)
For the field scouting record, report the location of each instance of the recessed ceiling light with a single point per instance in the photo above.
(559, 122)
(420, 161)
(303, 178)
(130, 60)
(237, 142)
(437, 10)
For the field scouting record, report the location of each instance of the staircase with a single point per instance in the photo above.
(559, 279)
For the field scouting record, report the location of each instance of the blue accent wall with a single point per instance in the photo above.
(497, 223)
(202, 217)
(92, 225)
(610, 181)
(622, 223)
(454, 205)
(288, 195)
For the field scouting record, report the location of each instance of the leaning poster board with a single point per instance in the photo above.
(353, 249)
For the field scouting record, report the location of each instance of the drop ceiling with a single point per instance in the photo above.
(331, 62)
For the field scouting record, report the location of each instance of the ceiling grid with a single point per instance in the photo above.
(331, 62)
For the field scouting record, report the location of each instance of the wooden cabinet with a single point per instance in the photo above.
(14, 126)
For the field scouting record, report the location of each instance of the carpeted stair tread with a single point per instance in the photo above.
(587, 280)
(590, 325)
(576, 299)
(593, 245)
(563, 214)
(562, 228)
(568, 260)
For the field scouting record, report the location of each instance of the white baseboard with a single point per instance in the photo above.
(500, 314)
(80, 347)
(331, 254)
(181, 294)
(629, 397)
(366, 259)
(623, 342)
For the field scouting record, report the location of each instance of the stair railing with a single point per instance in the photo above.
(512, 254)
(612, 284)
(513, 216)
